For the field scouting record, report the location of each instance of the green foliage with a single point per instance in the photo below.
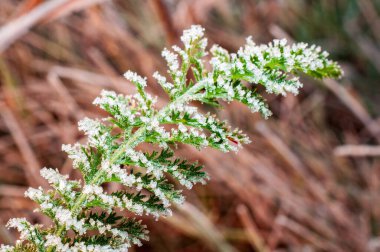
(88, 218)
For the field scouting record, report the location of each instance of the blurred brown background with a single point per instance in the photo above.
(309, 181)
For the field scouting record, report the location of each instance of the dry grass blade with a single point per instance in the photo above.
(12, 191)
(67, 99)
(369, 13)
(46, 11)
(32, 166)
(281, 148)
(305, 234)
(203, 225)
(15, 29)
(357, 150)
(356, 107)
(166, 21)
(251, 229)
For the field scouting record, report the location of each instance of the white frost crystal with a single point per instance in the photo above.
(195, 33)
(135, 78)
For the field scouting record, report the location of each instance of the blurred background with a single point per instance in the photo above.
(310, 180)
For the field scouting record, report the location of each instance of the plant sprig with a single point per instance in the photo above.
(112, 155)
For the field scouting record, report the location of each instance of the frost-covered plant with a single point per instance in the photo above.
(88, 218)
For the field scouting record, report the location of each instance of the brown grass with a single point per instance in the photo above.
(311, 177)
